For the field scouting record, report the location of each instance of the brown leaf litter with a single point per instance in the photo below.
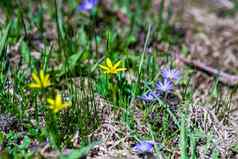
(212, 44)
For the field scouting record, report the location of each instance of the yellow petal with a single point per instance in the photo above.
(58, 100)
(121, 69)
(34, 85)
(35, 78)
(46, 81)
(67, 104)
(117, 64)
(51, 107)
(103, 67)
(42, 75)
(55, 110)
(50, 101)
(109, 62)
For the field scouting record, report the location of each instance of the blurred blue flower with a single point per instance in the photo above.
(149, 96)
(171, 74)
(164, 86)
(86, 5)
(143, 147)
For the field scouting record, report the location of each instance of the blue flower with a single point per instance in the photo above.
(149, 96)
(164, 86)
(86, 5)
(143, 147)
(171, 74)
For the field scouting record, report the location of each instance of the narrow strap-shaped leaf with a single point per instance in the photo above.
(4, 38)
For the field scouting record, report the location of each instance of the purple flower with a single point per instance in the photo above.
(171, 74)
(149, 96)
(86, 5)
(164, 86)
(143, 147)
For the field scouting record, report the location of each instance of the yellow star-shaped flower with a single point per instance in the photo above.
(41, 81)
(110, 68)
(57, 104)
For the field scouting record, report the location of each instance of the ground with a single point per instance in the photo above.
(107, 116)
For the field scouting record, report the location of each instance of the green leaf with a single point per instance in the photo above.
(69, 64)
(59, 19)
(82, 36)
(1, 137)
(26, 143)
(183, 138)
(25, 53)
(215, 154)
(4, 37)
(75, 154)
(235, 148)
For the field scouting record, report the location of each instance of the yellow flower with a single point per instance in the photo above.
(41, 81)
(57, 104)
(110, 68)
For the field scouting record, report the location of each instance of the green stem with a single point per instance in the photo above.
(36, 110)
(52, 128)
(114, 93)
(112, 89)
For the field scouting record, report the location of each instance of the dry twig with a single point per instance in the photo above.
(225, 78)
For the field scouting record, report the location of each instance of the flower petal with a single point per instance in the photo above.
(46, 81)
(117, 64)
(109, 62)
(58, 100)
(36, 78)
(50, 101)
(55, 110)
(42, 76)
(34, 85)
(103, 67)
(121, 69)
(66, 104)
(143, 147)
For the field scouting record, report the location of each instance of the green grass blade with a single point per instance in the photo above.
(59, 19)
(25, 53)
(183, 139)
(4, 38)
(144, 50)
